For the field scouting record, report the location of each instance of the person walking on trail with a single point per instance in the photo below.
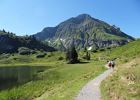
(109, 64)
(113, 63)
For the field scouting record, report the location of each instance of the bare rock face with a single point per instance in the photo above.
(85, 30)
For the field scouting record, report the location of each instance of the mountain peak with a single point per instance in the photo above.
(86, 31)
(83, 16)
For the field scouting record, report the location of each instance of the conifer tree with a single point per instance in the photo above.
(71, 55)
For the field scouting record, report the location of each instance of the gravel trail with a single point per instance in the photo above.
(91, 91)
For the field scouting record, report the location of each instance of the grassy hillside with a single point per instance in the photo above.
(17, 59)
(122, 54)
(123, 84)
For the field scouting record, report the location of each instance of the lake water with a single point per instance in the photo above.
(13, 76)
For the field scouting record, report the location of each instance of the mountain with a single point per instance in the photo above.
(84, 31)
(10, 43)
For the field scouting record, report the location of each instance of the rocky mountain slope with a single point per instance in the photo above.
(84, 31)
(9, 43)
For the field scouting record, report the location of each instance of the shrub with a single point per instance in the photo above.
(42, 55)
(33, 52)
(3, 56)
(60, 58)
(102, 49)
(87, 56)
(24, 51)
(94, 51)
(109, 48)
(49, 55)
(15, 58)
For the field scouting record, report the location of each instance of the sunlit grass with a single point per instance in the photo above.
(60, 81)
(123, 84)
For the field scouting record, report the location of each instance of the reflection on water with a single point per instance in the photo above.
(13, 76)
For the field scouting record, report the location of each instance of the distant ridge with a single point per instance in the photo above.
(9, 43)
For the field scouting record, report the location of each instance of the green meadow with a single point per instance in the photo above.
(52, 76)
(26, 77)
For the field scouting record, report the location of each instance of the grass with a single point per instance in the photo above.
(63, 81)
(60, 82)
(15, 59)
(123, 84)
(73, 77)
(122, 54)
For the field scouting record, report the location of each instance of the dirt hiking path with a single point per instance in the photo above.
(91, 91)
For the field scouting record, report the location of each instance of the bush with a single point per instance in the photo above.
(42, 55)
(86, 56)
(24, 51)
(3, 56)
(102, 49)
(33, 52)
(109, 48)
(94, 51)
(49, 55)
(15, 58)
(60, 58)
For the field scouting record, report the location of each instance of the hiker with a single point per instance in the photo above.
(109, 64)
(113, 63)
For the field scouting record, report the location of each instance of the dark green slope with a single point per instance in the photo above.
(9, 43)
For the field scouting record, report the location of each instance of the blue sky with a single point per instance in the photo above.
(31, 16)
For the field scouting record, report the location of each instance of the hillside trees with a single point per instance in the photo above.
(10, 43)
